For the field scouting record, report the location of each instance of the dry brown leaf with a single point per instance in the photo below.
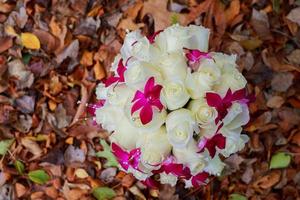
(32, 146)
(49, 42)
(260, 23)
(275, 102)
(158, 9)
(268, 180)
(55, 85)
(294, 15)
(99, 71)
(87, 58)
(6, 43)
(129, 24)
(232, 11)
(20, 189)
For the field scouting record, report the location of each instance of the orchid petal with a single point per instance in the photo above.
(151, 183)
(138, 95)
(121, 155)
(111, 80)
(213, 99)
(199, 179)
(138, 104)
(152, 37)
(155, 93)
(158, 104)
(149, 85)
(146, 114)
(91, 109)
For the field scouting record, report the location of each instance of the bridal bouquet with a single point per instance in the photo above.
(172, 108)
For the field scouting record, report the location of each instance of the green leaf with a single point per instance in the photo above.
(280, 160)
(39, 176)
(108, 155)
(19, 166)
(103, 193)
(26, 58)
(4, 145)
(174, 19)
(276, 5)
(236, 196)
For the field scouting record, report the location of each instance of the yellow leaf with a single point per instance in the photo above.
(81, 173)
(30, 41)
(9, 30)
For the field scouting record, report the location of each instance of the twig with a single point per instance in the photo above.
(288, 36)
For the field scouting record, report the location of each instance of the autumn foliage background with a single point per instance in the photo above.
(53, 53)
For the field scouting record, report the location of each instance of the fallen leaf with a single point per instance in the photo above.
(25, 104)
(49, 42)
(20, 167)
(237, 197)
(282, 81)
(293, 58)
(232, 11)
(39, 176)
(6, 43)
(99, 71)
(260, 23)
(280, 160)
(108, 174)
(4, 145)
(30, 41)
(73, 154)
(70, 51)
(268, 180)
(275, 102)
(251, 44)
(103, 193)
(81, 173)
(136, 192)
(87, 58)
(108, 155)
(294, 15)
(32, 146)
(24, 77)
(20, 189)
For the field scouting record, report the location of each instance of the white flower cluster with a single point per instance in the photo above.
(172, 108)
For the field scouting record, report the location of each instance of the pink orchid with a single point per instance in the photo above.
(151, 183)
(170, 167)
(146, 100)
(152, 37)
(222, 104)
(199, 179)
(126, 159)
(120, 78)
(210, 144)
(91, 109)
(194, 55)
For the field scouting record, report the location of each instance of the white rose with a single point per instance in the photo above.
(145, 51)
(180, 126)
(158, 118)
(224, 61)
(211, 70)
(189, 157)
(198, 38)
(138, 72)
(109, 116)
(101, 91)
(141, 174)
(168, 179)
(114, 65)
(175, 94)
(234, 141)
(125, 134)
(232, 79)
(214, 166)
(203, 113)
(155, 147)
(197, 84)
(172, 39)
(131, 38)
(237, 116)
(173, 65)
(118, 95)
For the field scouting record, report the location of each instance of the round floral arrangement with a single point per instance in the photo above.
(172, 108)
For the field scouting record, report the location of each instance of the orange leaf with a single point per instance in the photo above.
(87, 58)
(99, 71)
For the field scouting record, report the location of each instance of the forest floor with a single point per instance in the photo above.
(53, 54)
